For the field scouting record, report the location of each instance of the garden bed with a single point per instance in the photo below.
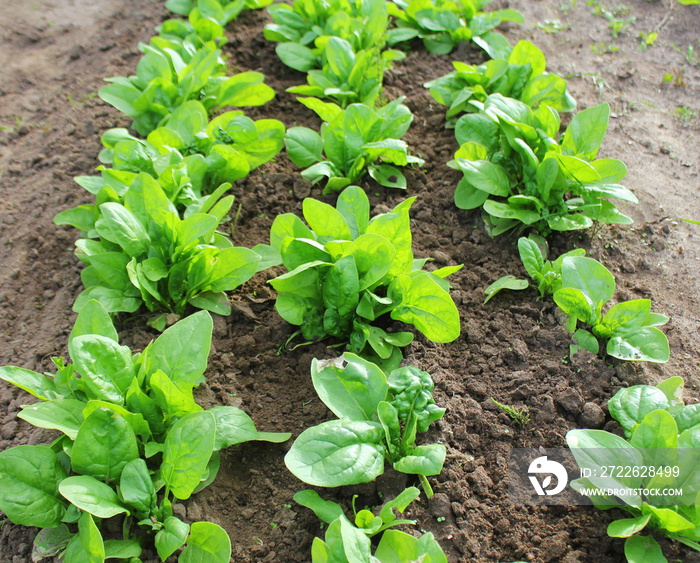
(513, 349)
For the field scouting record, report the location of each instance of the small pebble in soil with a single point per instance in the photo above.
(592, 416)
(570, 400)
(8, 430)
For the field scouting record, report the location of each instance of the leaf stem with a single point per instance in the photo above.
(425, 485)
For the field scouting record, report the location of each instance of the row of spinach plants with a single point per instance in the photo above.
(346, 270)
(153, 236)
(524, 175)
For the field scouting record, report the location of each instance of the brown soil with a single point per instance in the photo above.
(54, 55)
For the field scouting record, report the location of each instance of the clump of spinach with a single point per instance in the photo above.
(348, 541)
(346, 76)
(378, 420)
(347, 271)
(517, 171)
(629, 328)
(133, 439)
(191, 155)
(139, 252)
(206, 19)
(659, 453)
(220, 12)
(546, 275)
(443, 24)
(520, 75)
(166, 78)
(352, 142)
(303, 29)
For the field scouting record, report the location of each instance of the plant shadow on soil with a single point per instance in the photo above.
(513, 349)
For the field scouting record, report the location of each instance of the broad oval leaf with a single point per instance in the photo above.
(325, 221)
(352, 387)
(187, 449)
(594, 449)
(171, 537)
(93, 319)
(342, 287)
(576, 303)
(304, 146)
(234, 266)
(136, 486)
(50, 541)
(395, 227)
(469, 197)
(628, 526)
(29, 480)
(399, 547)
(646, 344)
(430, 308)
(588, 276)
(30, 381)
(630, 406)
(353, 205)
(658, 430)
(65, 415)
(92, 547)
(207, 543)
(506, 282)
(297, 56)
(643, 549)
(585, 133)
(182, 350)
(627, 315)
(486, 176)
(122, 549)
(91, 495)
(105, 366)
(338, 452)
(104, 445)
(121, 226)
(423, 460)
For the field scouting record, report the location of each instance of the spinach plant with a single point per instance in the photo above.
(347, 271)
(443, 24)
(140, 253)
(347, 541)
(224, 149)
(629, 328)
(132, 440)
(165, 79)
(520, 75)
(185, 37)
(303, 29)
(346, 77)
(379, 417)
(546, 275)
(220, 11)
(658, 455)
(206, 20)
(522, 176)
(352, 142)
